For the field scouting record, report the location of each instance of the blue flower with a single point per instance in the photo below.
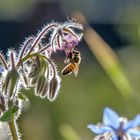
(1, 69)
(118, 127)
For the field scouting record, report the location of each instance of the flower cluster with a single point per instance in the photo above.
(116, 128)
(32, 67)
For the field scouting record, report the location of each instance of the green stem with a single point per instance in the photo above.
(25, 58)
(36, 54)
(13, 130)
(31, 55)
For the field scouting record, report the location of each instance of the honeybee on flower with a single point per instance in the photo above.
(65, 38)
(34, 65)
(32, 68)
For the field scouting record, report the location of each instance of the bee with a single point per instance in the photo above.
(73, 60)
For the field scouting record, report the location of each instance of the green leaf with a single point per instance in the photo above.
(15, 109)
(7, 116)
(22, 96)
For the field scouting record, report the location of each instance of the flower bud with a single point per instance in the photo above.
(2, 103)
(40, 85)
(43, 93)
(33, 81)
(24, 78)
(38, 70)
(11, 82)
(54, 86)
(34, 71)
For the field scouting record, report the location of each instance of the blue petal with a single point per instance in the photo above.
(132, 123)
(114, 136)
(134, 133)
(111, 118)
(1, 69)
(99, 129)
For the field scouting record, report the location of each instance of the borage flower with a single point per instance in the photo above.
(1, 69)
(65, 38)
(32, 68)
(116, 127)
(42, 73)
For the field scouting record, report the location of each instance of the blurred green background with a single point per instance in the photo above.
(81, 99)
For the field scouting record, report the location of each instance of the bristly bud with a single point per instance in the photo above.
(42, 87)
(39, 77)
(24, 78)
(54, 86)
(11, 82)
(40, 84)
(38, 68)
(44, 90)
(33, 81)
(2, 103)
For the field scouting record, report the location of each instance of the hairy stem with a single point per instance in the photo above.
(43, 49)
(13, 130)
(25, 58)
(12, 59)
(3, 61)
(25, 46)
(40, 36)
(37, 54)
(31, 55)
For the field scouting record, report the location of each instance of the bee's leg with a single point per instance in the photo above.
(68, 57)
(70, 54)
(75, 49)
(76, 70)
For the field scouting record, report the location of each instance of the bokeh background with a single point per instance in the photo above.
(81, 99)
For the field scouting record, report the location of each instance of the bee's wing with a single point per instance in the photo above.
(67, 60)
(69, 73)
(76, 70)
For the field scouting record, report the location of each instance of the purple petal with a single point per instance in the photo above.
(134, 133)
(111, 118)
(99, 129)
(132, 123)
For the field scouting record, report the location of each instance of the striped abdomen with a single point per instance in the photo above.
(68, 69)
